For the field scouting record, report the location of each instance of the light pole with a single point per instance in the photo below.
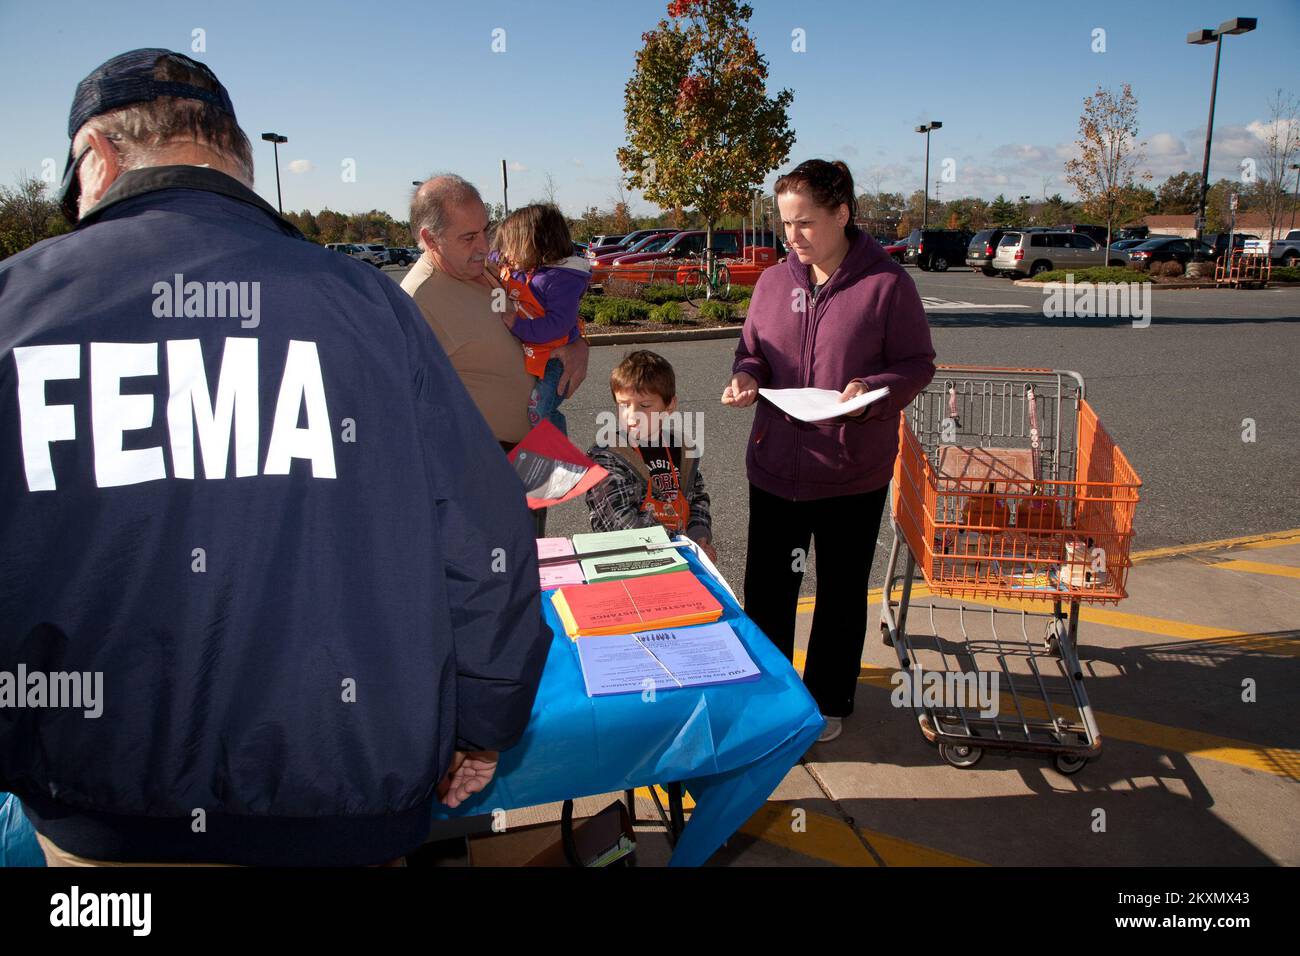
(1024, 200)
(1201, 37)
(925, 202)
(1296, 197)
(275, 139)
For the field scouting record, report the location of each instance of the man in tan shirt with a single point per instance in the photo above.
(453, 287)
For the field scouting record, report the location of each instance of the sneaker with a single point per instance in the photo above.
(834, 727)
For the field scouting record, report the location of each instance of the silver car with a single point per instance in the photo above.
(1029, 253)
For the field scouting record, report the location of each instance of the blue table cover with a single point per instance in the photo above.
(730, 745)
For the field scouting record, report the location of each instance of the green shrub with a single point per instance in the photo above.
(1094, 274)
(740, 308)
(669, 312)
(739, 292)
(659, 292)
(587, 307)
(1286, 274)
(615, 311)
(715, 312)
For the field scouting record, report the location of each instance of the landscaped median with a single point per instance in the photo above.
(1103, 274)
(661, 310)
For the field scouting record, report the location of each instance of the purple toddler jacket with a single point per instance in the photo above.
(867, 325)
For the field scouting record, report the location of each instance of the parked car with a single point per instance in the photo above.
(605, 239)
(1177, 250)
(1121, 248)
(1093, 231)
(1218, 241)
(1285, 251)
(364, 252)
(627, 242)
(1022, 252)
(1134, 232)
(618, 250)
(980, 250)
(400, 256)
(896, 249)
(937, 249)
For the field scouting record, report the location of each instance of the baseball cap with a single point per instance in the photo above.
(125, 79)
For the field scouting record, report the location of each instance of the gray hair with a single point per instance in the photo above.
(433, 201)
(142, 131)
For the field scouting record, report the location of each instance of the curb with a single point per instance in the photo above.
(1031, 284)
(684, 335)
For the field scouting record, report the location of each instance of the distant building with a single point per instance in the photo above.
(1185, 226)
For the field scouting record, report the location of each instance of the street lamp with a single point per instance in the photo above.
(1025, 201)
(1296, 198)
(925, 202)
(1200, 38)
(276, 139)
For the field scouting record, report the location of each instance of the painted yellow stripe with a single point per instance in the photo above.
(1273, 539)
(823, 838)
(1240, 753)
(1259, 567)
(644, 793)
(898, 852)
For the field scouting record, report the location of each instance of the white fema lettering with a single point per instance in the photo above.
(1070, 299)
(946, 690)
(74, 690)
(189, 409)
(75, 908)
(208, 300)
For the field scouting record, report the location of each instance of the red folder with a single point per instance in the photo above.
(552, 468)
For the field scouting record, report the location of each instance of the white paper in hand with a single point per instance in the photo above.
(818, 404)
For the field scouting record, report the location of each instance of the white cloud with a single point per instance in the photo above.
(298, 166)
(518, 168)
(1166, 144)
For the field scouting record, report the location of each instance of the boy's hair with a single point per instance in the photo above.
(533, 236)
(644, 371)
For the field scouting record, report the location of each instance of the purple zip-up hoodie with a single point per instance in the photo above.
(867, 325)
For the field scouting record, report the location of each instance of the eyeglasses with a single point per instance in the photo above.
(70, 188)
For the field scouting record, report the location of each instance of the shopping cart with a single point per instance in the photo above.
(1007, 492)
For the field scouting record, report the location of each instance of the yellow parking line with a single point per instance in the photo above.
(644, 792)
(898, 852)
(1273, 539)
(1259, 567)
(1194, 743)
(822, 838)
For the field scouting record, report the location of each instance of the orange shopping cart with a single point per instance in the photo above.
(1008, 493)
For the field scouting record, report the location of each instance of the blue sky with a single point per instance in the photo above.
(407, 89)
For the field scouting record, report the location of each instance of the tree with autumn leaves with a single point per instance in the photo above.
(1104, 171)
(702, 131)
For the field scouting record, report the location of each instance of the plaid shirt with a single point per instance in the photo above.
(617, 502)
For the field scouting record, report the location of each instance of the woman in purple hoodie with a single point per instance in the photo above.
(837, 314)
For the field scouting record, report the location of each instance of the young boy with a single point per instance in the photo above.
(654, 478)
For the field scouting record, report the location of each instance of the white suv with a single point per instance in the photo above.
(372, 253)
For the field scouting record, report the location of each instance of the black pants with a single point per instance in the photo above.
(844, 530)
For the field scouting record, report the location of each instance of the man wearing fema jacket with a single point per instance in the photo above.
(251, 523)
(838, 314)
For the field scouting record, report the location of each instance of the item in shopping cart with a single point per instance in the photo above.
(1085, 566)
(985, 509)
(1039, 513)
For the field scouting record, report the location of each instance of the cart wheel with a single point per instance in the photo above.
(961, 755)
(1069, 764)
(884, 636)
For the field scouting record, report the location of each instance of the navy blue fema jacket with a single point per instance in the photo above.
(242, 483)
